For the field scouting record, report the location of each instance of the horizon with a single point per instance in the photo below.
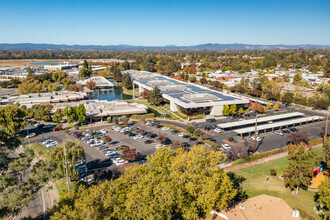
(163, 23)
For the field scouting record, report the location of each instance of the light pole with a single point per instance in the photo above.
(66, 169)
(255, 134)
(326, 129)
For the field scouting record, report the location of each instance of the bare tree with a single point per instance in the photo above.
(298, 137)
(240, 150)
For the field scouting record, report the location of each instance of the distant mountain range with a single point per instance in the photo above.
(209, 46)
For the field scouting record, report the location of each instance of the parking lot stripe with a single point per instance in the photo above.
(228, 142)
(207, 132)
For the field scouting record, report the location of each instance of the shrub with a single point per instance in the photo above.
(66, 130)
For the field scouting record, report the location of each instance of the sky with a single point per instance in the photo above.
(160, 22)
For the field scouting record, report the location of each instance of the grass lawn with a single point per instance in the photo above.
(158, 109)
(62, 185)
(39, 148)
(130, 92)
(257, 173)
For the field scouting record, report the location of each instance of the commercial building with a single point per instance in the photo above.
(99, 110)
(186, 97)
(99, 81)
(55, 68)
(45, 98)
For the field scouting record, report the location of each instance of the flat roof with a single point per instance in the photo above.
(262, 119)
(181, 96)
(278, 124)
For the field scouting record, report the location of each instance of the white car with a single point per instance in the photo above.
(241, 119)
(36, 124)
(114, 127)
(30, 135)
(182, 134)
(97, 143)
(159, 145)
(165, 128)
(148, 123)
(48, 126)
(103, 131)
(108, 153)
(117, 129)
(217, 130)
(138, 137)
(258, 138)
(279, 133)
(225, 146)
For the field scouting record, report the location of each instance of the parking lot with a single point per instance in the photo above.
(96, 159)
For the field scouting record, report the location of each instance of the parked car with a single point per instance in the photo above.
(217, 130)
(231, 139)
(153, 135)
(30, 135)
(36, 124)
(48, 126)
(193, 139)
(270, 122)
(174, 131)
(279, 133)
(131, 134)
(148, 141)
(241, 119)
(138, 137)
(97, 143)
(185, 144)
(226, 147)
(159, 145)
(186, 136)
(258, 138)
(102, 147)
(211, 120)
(73, 133)
(182, 134)
(103, 131)
(286, 131)
(294, 129)
(56, 129)
(159, 126)
(165, 128)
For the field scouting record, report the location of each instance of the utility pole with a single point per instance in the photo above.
(66, 169)
(326, 129)
(133, 91)
(255, 134)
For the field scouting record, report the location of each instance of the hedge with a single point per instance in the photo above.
(259, 156)
(137, 117)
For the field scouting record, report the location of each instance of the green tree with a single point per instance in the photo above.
(155, 96)
(225, 110)
(276, 106)
(323, 198)
(81, 112)
(233, 109)
(30, 72)
(326, 150)
(287, 97)
(172, 185)
(84, 73)
(117, 75)
(301, 164)
(74, 153)
(269, 106)
(58, 116)
(126, 65)
(297, 78)
(326, 68)
(12, 118)
(127, 81)
(240, 111)
(85, 64)
(66, 82)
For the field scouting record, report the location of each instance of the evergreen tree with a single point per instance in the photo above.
(127, 81)
(117, 77)
(300, 169)
(155, 96)
(58, 115)
(84, 73)
(326, 68)
(85, 64)
(30, 72)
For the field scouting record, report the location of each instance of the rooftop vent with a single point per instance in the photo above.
(169, 88)
(200, 97)
(159, 82)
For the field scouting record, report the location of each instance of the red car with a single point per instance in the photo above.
(56, 129)
(77, 135)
